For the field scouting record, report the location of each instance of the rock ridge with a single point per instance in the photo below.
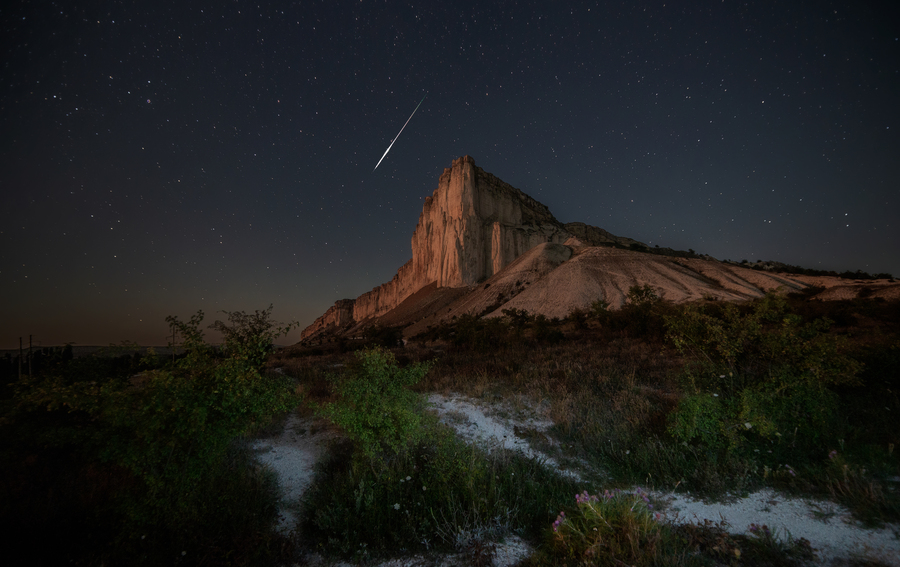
(471, 227)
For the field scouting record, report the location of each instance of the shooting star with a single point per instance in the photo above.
(398, 133)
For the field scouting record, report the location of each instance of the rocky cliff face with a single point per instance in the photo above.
(471, 227)
(338, 316)
(474, 224)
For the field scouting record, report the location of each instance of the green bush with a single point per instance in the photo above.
(640, 316)
(757, 374)
(170, 429)
(701, 416)
(248, 337)
(599, 309)
(375, 406)
(642, 295)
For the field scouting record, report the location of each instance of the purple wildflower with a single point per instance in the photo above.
(559, 520)
(581, 498)
(585, 498)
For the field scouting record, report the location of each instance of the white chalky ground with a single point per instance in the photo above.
(826, 525)
(293, 455)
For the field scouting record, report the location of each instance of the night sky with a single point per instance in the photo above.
(160, 157)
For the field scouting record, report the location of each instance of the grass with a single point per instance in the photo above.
(440, 494)
(611, 386)
(610, 382)
(611, 394)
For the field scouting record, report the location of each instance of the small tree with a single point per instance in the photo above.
(642, 295)
(376, 408)
(599, 309)
(250, 337)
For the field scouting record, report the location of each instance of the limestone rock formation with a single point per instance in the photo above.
(474, 224)
(338, 316)
(471, 227)
(482, 246)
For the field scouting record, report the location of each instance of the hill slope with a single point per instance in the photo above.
(482, 246)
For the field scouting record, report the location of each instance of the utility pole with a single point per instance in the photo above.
(20, 359)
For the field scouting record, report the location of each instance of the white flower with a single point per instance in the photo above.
(396, 506)
(748, 425)
(409, 478)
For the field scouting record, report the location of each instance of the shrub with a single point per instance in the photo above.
(760, 373)
(247, 337)
(620, 528)
(641, 315)
(171, 429)
(642, 295)
(579, 318)
(611, 529)
(518, 318)
(762, 546)
(545, 332)
(599, 309)
(375, 406)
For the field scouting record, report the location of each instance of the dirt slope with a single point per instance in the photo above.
(555, 279)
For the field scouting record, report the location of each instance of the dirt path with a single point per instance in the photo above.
(292, 455)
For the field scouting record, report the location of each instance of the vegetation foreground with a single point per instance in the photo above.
(134, 460)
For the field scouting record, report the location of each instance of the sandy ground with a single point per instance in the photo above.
(828, 526)
(476, 425)
(292, 455)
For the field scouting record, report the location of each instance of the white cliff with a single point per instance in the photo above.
(471, 227)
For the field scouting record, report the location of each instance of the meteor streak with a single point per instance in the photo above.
(398, 133)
